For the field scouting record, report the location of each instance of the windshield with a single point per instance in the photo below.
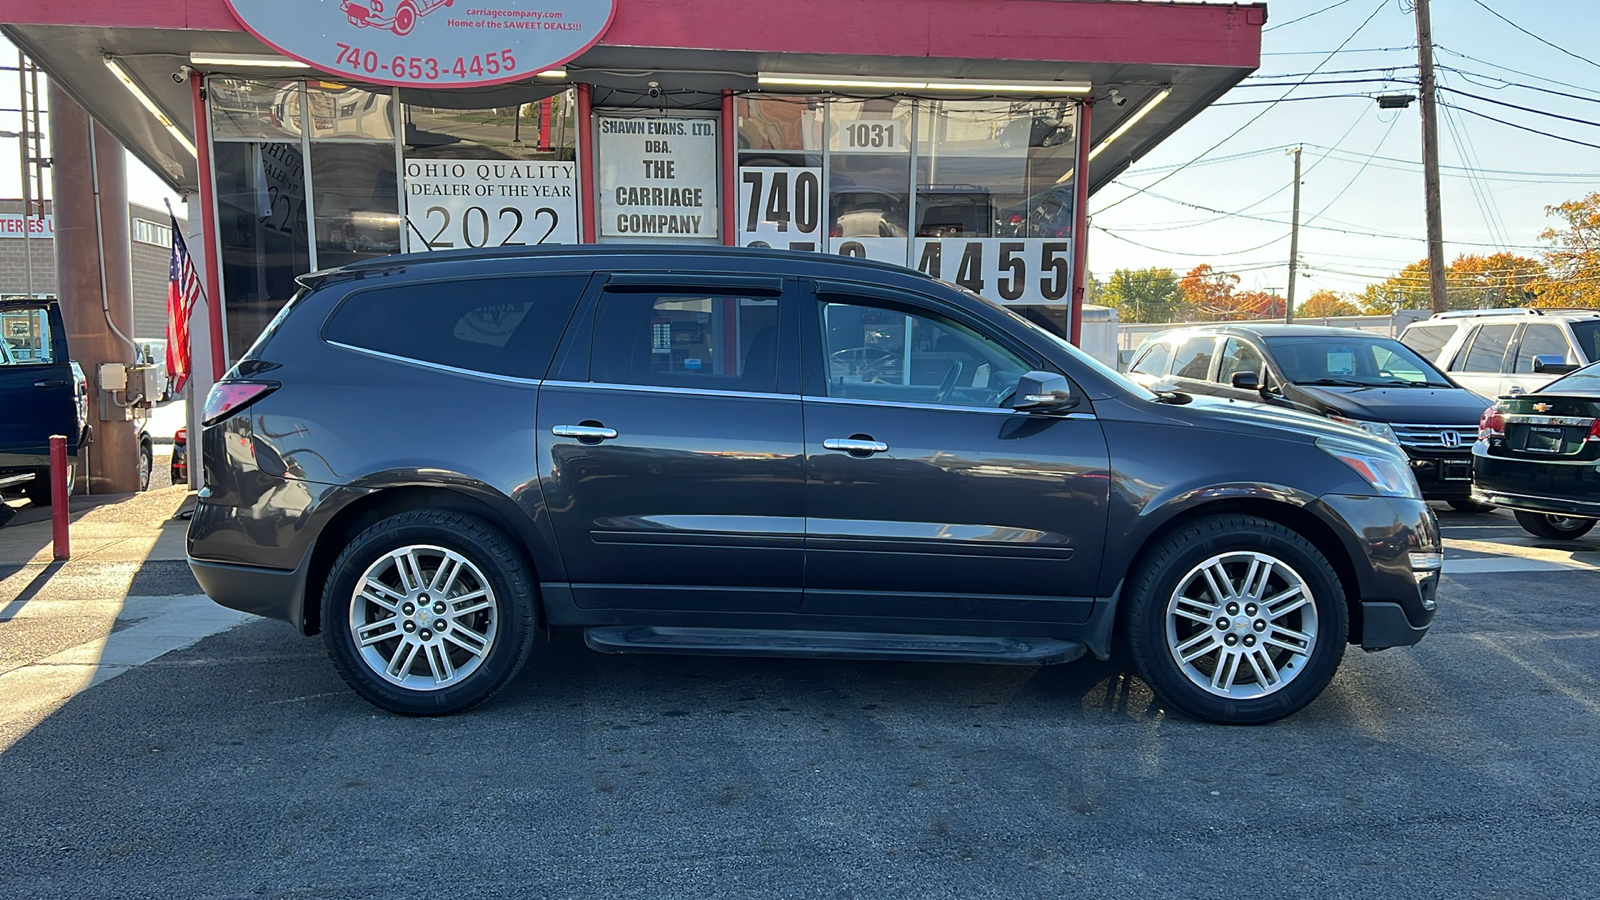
(1104, 370)
(1352, 360)
(1587, 334)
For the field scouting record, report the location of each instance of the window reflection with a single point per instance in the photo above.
(261, 220)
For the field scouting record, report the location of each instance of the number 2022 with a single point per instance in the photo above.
(475, 226)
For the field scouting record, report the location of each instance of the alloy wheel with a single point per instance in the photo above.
(423, 617)
(1241, 625)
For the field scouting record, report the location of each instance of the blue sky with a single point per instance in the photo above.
(1362, 181)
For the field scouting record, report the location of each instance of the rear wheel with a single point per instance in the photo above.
(1556, 528)
(1237, 620)
(38, 490)
(1471, 506)
(146, 465)
(429, 612)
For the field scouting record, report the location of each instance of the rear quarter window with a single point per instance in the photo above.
(1428, 340)
(500, 326)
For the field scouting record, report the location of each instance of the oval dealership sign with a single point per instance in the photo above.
(432, 43)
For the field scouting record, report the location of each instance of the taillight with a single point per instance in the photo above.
(228, 397)
(1594, 431)
(1491, 424)
(180, 437)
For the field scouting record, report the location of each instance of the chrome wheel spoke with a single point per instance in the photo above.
(400, 663)
(444, 578)
(467, 639)
(1286, 602)
(439, 663)
(1197, 646)
(1227, 667)
(381, 630)
(375, 591)
(1266, 670)
(1220, 584)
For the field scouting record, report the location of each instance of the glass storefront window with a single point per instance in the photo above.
(356, 200)
(340, 112)
(869, 178)
(261, 224)
(995, 169)
(242, 109)
(780, 181)
(536, 128)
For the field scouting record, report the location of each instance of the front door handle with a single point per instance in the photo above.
(51, 384)
(589, 434)
(860, 445)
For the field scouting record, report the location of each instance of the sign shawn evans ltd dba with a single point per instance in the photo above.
(433, 43)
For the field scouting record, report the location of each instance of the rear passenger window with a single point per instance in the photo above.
(26, 337)
(1154, 361)
(501, 326)
(1194, 358)
(711, 343)
(1488, 348)
(1428, 340)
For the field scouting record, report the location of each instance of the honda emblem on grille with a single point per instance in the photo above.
(1450, 439)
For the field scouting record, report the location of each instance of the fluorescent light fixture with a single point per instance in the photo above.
(145, 101)
(896, 84)
(246, 61)
(552, 73)
(1130, 121)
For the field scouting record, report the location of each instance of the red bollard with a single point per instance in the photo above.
(58, 496)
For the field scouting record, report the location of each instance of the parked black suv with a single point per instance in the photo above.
(42, 392)
(722, 451)
(1359, 379)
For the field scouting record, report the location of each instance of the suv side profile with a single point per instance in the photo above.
(735, 451)
(1497, 352)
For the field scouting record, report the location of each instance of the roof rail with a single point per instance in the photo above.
(1473, 313)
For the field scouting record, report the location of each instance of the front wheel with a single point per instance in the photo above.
(1555, 528)
(146, 466)
(38, 490)
(1236, 620)
(429, 612)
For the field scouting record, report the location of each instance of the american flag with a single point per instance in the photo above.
(183, 289)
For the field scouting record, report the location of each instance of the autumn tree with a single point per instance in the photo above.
(1572, 265)
(1471, 282)
(1212, 295)
(1142, 295)
(1324, 304)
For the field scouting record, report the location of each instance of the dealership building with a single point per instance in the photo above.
(958, 137)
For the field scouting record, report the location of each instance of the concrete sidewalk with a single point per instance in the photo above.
(126, 597)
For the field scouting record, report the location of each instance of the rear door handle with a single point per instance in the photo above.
(864, 447)
(593, 434)
(50, 384)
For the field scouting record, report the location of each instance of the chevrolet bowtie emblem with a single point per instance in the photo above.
(1541, 407)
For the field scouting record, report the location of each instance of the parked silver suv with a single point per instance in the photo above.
(1495, 352)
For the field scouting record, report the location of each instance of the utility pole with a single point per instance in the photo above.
(1294, 240)
(1430, 158)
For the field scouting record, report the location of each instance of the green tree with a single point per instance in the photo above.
(1470, 282)
(1142, 295)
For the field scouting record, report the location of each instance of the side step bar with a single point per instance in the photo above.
(832, 645)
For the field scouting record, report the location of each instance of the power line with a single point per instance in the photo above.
(1283, 237)
(1521, 127)
(1271, 103)
(1364, 71)
(1526, 109)
(1493, 65)
(1257, 117)
(1535, 36)
(1505, 84)
(1305, 17)
(1340, 49)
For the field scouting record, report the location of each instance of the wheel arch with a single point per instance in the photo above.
(371, 508)
(1295, 518)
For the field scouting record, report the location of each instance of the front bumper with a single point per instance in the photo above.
(1385, 536)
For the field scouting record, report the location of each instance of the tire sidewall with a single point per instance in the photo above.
(473, 539)
(1182, 552)
(1542, 525)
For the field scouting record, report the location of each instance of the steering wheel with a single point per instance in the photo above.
(951, 376)
(870, 363)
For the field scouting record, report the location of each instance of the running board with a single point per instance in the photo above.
(832, 645)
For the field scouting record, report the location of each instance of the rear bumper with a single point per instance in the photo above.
(1555, 506)
(272, 593)
(1558, 487)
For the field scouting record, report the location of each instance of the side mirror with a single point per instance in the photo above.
(1552, 365)
(1247, 381)
(1043, 392)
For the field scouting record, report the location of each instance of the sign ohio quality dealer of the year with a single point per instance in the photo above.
(434, 43)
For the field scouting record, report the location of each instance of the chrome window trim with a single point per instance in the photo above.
(663, 389)
(847, 401)
(438, 367)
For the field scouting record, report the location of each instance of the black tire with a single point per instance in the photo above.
(38, 490)
(1555, 528)
(1471, 507)
(147, 464)
(507, 627)
(1174, 562)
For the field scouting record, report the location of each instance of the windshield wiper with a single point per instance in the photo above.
(1335, 382)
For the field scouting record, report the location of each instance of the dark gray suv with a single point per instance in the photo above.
(428, 459)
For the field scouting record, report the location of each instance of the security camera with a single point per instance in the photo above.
(1117, 99)
(655, 90)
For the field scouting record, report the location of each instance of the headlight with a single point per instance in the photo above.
(1387, 473)
(1376, 429)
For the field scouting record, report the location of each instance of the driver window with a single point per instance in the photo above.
(1240, 356)
(876, 353)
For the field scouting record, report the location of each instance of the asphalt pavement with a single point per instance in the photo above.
(239, 765)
